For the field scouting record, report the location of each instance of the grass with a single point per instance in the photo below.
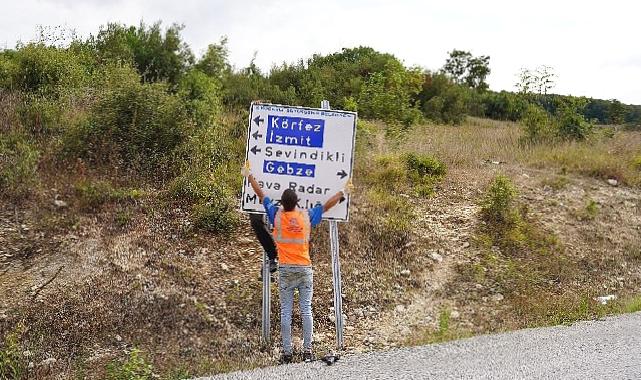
(12, 362)
(603, 159)
(631, 304)
(18, 165)
(443, 333)
(93, 194)
(468, 147)
(591, 209)
(135, 367)
(557, 182)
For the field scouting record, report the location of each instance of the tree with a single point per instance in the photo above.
(214, 62)
(616, 112)
(538, 81)
(441, 100)
(156, 55)
(467, 69)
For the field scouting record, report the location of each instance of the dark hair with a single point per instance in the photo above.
(289, 199)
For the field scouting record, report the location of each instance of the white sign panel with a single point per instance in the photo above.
(308, 150)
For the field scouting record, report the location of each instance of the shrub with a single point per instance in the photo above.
(503, 105)
(386, 95)
(12, 363)
(636, 162)
(18, 165)
(8, 67)
(201, 95)
(424, 165)
(157, 54)
(47, 70)
(94, 194)
(40, 115)
(411, 172)
(424, 171)
(134, 368)
(441, 100)
(537, 124)
(498, 206)
(215, 215)
(390, 222)
(571, 123)
(143, 123)
(591, 210)
(213, 196)
(388, 173)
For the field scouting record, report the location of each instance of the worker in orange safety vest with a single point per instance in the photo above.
(292, 228)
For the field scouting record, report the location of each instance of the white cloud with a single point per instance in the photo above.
(590, 44)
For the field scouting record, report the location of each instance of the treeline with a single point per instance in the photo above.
(506, 105)
(137, 98)
(376, 84)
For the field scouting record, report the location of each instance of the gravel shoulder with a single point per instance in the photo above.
(605, 349)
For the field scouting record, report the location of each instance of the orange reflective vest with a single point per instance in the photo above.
(291, 234)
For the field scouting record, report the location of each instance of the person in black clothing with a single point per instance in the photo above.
(266, 240)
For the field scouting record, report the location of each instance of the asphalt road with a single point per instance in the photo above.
(607, 349)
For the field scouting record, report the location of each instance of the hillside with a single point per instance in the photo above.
(123, 254)
(81, 286)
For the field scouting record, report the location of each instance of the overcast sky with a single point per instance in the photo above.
(594, 46)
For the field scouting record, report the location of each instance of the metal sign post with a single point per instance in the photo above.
(266, 325)
(336, 280)
(336, 271)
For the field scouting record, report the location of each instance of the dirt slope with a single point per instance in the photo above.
(87, 291)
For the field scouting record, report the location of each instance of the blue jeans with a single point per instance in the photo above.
(290, 278)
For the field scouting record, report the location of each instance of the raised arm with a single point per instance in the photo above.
(256, 187)
(252, 181)
(331, 202)
(338, 197)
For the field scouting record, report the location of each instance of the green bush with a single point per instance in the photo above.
(18, 165)
(498, 206)
(424, 171)
(240, 89)
(158, 53)
(636, 162)
(212, 195)
(591, 209)
(450, 107)
(8, 68)
(201, 96)
(411, 172)
(40, 115)
(424, 165)
(537, 124)
(215, 216)
(571, 123)
(386, 96)
(390, 223)
(47, 70)
(443, 101)
(134, 368)
(143, 123)
(503, 105)
(12, 363)
(388, 173)
(94, 194)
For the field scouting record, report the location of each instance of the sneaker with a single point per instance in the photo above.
(308, 356)
(273, 266)
(285, 359)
